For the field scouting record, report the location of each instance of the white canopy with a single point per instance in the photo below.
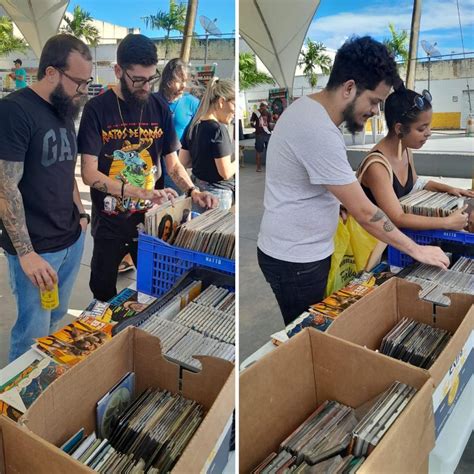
(37, 20)
(275, 30)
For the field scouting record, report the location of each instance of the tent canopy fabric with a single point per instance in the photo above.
(275, 30)
(37, 20)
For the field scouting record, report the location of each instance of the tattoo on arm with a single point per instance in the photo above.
(379, 215)
(180, 177)
(12, 211)
(100, 186)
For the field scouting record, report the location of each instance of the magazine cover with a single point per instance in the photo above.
(124, 305)
(76, 341)
(23, 389)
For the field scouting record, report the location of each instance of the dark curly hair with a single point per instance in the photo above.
(399, 108)
(366, 61)
(136, 49)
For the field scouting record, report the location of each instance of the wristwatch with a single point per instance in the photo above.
(84, 215)
(190, 191)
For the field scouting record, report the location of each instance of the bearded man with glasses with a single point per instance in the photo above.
(42, 218)
(122, 135)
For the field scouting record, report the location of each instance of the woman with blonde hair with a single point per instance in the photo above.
(206, 145)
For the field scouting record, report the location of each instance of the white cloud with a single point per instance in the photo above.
(437, 16)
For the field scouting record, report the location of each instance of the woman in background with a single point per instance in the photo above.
(206, 145)
(408, 116)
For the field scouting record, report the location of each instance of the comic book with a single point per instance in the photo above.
(24, 388)
(7, 410)
(77, 340)
(124, 305)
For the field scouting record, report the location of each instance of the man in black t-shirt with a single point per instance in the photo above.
(123, 133)
(40, 206)
(261, 120)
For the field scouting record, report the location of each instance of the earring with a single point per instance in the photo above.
(400, 149)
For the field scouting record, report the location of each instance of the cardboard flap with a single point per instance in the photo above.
(24, 452)
(150, 364)
(277, 394)
(382, 300)
(202, 444)
(352, 374)
(205, 385)
(69, 403)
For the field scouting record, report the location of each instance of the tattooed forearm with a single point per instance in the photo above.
(100, 186)
(180, 177)
(12, 211)
(378, 216)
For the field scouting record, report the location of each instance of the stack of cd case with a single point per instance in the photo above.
(149, 436)
(335, 439)
(435, 283)
(417, 343)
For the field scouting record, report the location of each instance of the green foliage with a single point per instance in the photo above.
(397, 44)
(8, 42)
(248, 75)
(80, 25)
(312, 58)
(174, 20)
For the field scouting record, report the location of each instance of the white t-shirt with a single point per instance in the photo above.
(306, 152)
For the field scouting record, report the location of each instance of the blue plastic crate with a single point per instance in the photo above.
(458, 243)
(160, 265)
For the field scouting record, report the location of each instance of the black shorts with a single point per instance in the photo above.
(261, 142)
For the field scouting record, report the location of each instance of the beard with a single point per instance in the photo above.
(66, 107)
(349, 117)
(134, 99)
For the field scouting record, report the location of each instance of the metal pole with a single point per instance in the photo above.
(207, 45)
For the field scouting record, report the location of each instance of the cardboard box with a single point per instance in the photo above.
(283, 388)
(69, 403)
(22, 451)
(368, 320)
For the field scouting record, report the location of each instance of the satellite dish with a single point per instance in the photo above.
(211, 29)
(430, 49)
(209, 26)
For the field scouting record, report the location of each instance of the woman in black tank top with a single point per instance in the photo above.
(408, 116)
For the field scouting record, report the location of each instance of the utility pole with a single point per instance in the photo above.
(188, 30)
(413, 51)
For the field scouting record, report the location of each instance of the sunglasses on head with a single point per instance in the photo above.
(419, 101)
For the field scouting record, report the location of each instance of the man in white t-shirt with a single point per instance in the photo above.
(308, 176)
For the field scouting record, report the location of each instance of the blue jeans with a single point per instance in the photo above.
(296, 286)
(32, 320)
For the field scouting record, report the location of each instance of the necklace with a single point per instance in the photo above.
(123, 121)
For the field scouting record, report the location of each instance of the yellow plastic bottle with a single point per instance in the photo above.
(50, 299)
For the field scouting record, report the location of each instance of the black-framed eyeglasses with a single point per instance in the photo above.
(81, 83)
(140, 82)
(419, 101)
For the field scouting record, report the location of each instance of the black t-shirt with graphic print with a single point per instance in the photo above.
(128, 151)
(31, 132)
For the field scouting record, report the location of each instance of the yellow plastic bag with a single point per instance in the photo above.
(343, 265)
(363, 243)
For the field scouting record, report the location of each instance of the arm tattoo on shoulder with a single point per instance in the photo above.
(12, 211)
(100, 186)
(379, 215)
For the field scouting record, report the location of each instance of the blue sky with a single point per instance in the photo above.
(129, 12)
(335, 20)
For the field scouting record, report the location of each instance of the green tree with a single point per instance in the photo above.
(398, 43)
(8, 42)
(312, 58)
(248, 74)
(80, 25)
(174, 20)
